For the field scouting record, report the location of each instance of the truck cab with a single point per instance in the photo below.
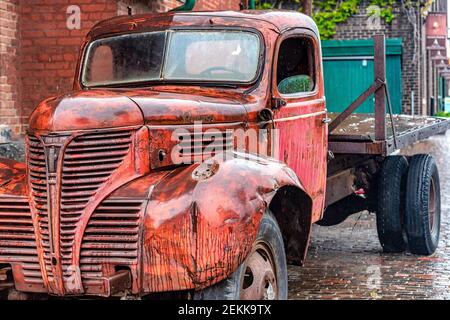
(190, 158)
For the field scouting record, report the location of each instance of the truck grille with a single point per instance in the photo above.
(111, 236)
(17, 240)
(89, 160)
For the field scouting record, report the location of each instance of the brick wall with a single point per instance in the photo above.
(163, 5)
(49, 49)
(217, 5)
(39, 52)
(138, 6)
(9, 75)
(412, 62)
(201, 5)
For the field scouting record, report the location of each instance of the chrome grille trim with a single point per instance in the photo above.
(88, 160)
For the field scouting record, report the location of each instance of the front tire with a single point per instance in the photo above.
(423, 205)
(263, 274)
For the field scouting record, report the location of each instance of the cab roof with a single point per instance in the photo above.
(278, 20)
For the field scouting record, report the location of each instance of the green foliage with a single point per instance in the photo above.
(270, 4)
(387, 9)
(261, 5)
(332, 12)
(443, 114)
(329, 13)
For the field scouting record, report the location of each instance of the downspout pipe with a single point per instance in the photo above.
(187, 6)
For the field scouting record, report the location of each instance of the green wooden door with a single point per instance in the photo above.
(348, 71)
(441, 95)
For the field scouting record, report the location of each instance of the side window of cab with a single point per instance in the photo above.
(296, 66)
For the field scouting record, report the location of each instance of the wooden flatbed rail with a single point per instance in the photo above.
(369, 133)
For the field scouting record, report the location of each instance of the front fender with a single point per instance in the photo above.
(201, 220)
(13, 178)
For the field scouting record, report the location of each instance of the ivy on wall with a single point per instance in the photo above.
(271, 4)
(263, 5)
(329, 13)
(386, 9)
(332, 12)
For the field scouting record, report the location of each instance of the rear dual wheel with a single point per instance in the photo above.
(390, 203)
(423, 205)
(408, 206)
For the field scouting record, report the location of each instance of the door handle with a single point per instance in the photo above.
(278, 103)
(326, 120)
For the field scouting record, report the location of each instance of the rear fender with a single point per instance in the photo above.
(201, 220)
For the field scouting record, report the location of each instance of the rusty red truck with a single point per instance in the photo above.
(192, 158)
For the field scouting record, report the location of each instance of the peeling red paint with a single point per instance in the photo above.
(102, 212)
(12, 178)
(215, 220)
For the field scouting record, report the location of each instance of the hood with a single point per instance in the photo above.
(172, 106)
(86, 110)
(107, 109)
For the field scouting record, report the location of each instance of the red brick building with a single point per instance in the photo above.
(40, 42)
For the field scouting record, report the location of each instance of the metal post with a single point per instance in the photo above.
(380, 94)
(307, 7)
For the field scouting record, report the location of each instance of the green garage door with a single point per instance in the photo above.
(348, 72)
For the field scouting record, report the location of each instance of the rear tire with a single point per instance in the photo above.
(423, 205)
(390, 204)
(266, 262)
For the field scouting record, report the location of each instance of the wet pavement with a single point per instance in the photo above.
(347, 262)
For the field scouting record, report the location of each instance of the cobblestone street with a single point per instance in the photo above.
(346, 261)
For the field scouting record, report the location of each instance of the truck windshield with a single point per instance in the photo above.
(204, 56)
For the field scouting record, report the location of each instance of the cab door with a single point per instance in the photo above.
(300, 113)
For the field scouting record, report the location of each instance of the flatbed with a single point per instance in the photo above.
(356, 134)
(365, 173)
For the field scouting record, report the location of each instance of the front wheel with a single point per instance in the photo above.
(262, 276)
